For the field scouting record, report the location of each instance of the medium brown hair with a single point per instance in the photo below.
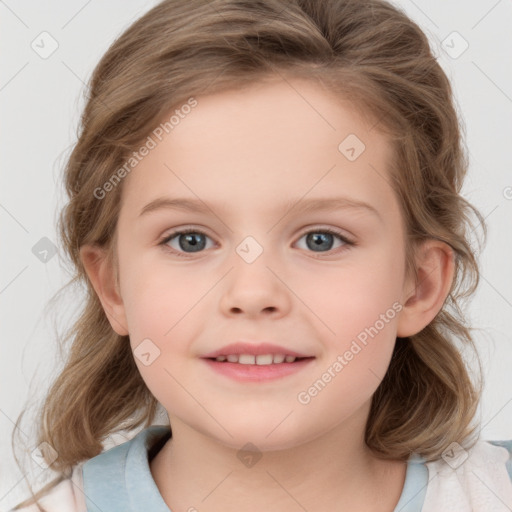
(366, 51)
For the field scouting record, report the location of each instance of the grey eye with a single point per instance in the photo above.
(188, 241)
(321, 241)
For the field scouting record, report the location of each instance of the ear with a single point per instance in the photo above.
(102, 277)
(424, 299)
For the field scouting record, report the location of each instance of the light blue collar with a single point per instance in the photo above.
(120, 480)
(415, 486)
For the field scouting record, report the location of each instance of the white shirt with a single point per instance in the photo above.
(120, 480)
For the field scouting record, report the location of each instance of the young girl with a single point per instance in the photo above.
(265, 207)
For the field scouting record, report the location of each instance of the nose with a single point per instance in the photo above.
(255, 289)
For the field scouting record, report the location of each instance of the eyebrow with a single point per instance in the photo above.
(327, 204)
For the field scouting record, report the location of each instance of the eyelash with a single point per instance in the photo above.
(347, 243)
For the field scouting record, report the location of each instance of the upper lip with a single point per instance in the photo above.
(254, 349)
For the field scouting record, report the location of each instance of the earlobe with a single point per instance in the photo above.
(436, 265)
(102, 278)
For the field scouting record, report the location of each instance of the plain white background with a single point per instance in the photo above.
(41, 100)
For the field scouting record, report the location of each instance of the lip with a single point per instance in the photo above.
(242, 347)
(257, 373)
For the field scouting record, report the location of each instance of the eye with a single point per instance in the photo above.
(192, 239)
(319, 239)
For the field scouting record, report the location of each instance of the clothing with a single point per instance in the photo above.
(120, 480)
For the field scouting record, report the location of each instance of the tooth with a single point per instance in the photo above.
(264, 359)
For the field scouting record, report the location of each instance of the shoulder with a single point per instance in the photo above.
(66, 496)
(467, 478)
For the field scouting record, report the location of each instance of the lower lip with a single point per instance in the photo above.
(257, 372)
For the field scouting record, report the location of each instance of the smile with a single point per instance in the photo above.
(261, 359)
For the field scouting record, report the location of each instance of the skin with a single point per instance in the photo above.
(245, 153)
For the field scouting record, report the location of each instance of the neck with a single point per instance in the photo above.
(335, 471)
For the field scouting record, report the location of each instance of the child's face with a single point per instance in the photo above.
(251, 155)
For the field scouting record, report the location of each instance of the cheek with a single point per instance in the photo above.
(157, 297)
(358, 307)
(348, 300)
(361, 310)
(164, 315)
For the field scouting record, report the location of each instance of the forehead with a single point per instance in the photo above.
(263, 144)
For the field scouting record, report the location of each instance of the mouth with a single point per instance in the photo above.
(257, 368)
(259, 359)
